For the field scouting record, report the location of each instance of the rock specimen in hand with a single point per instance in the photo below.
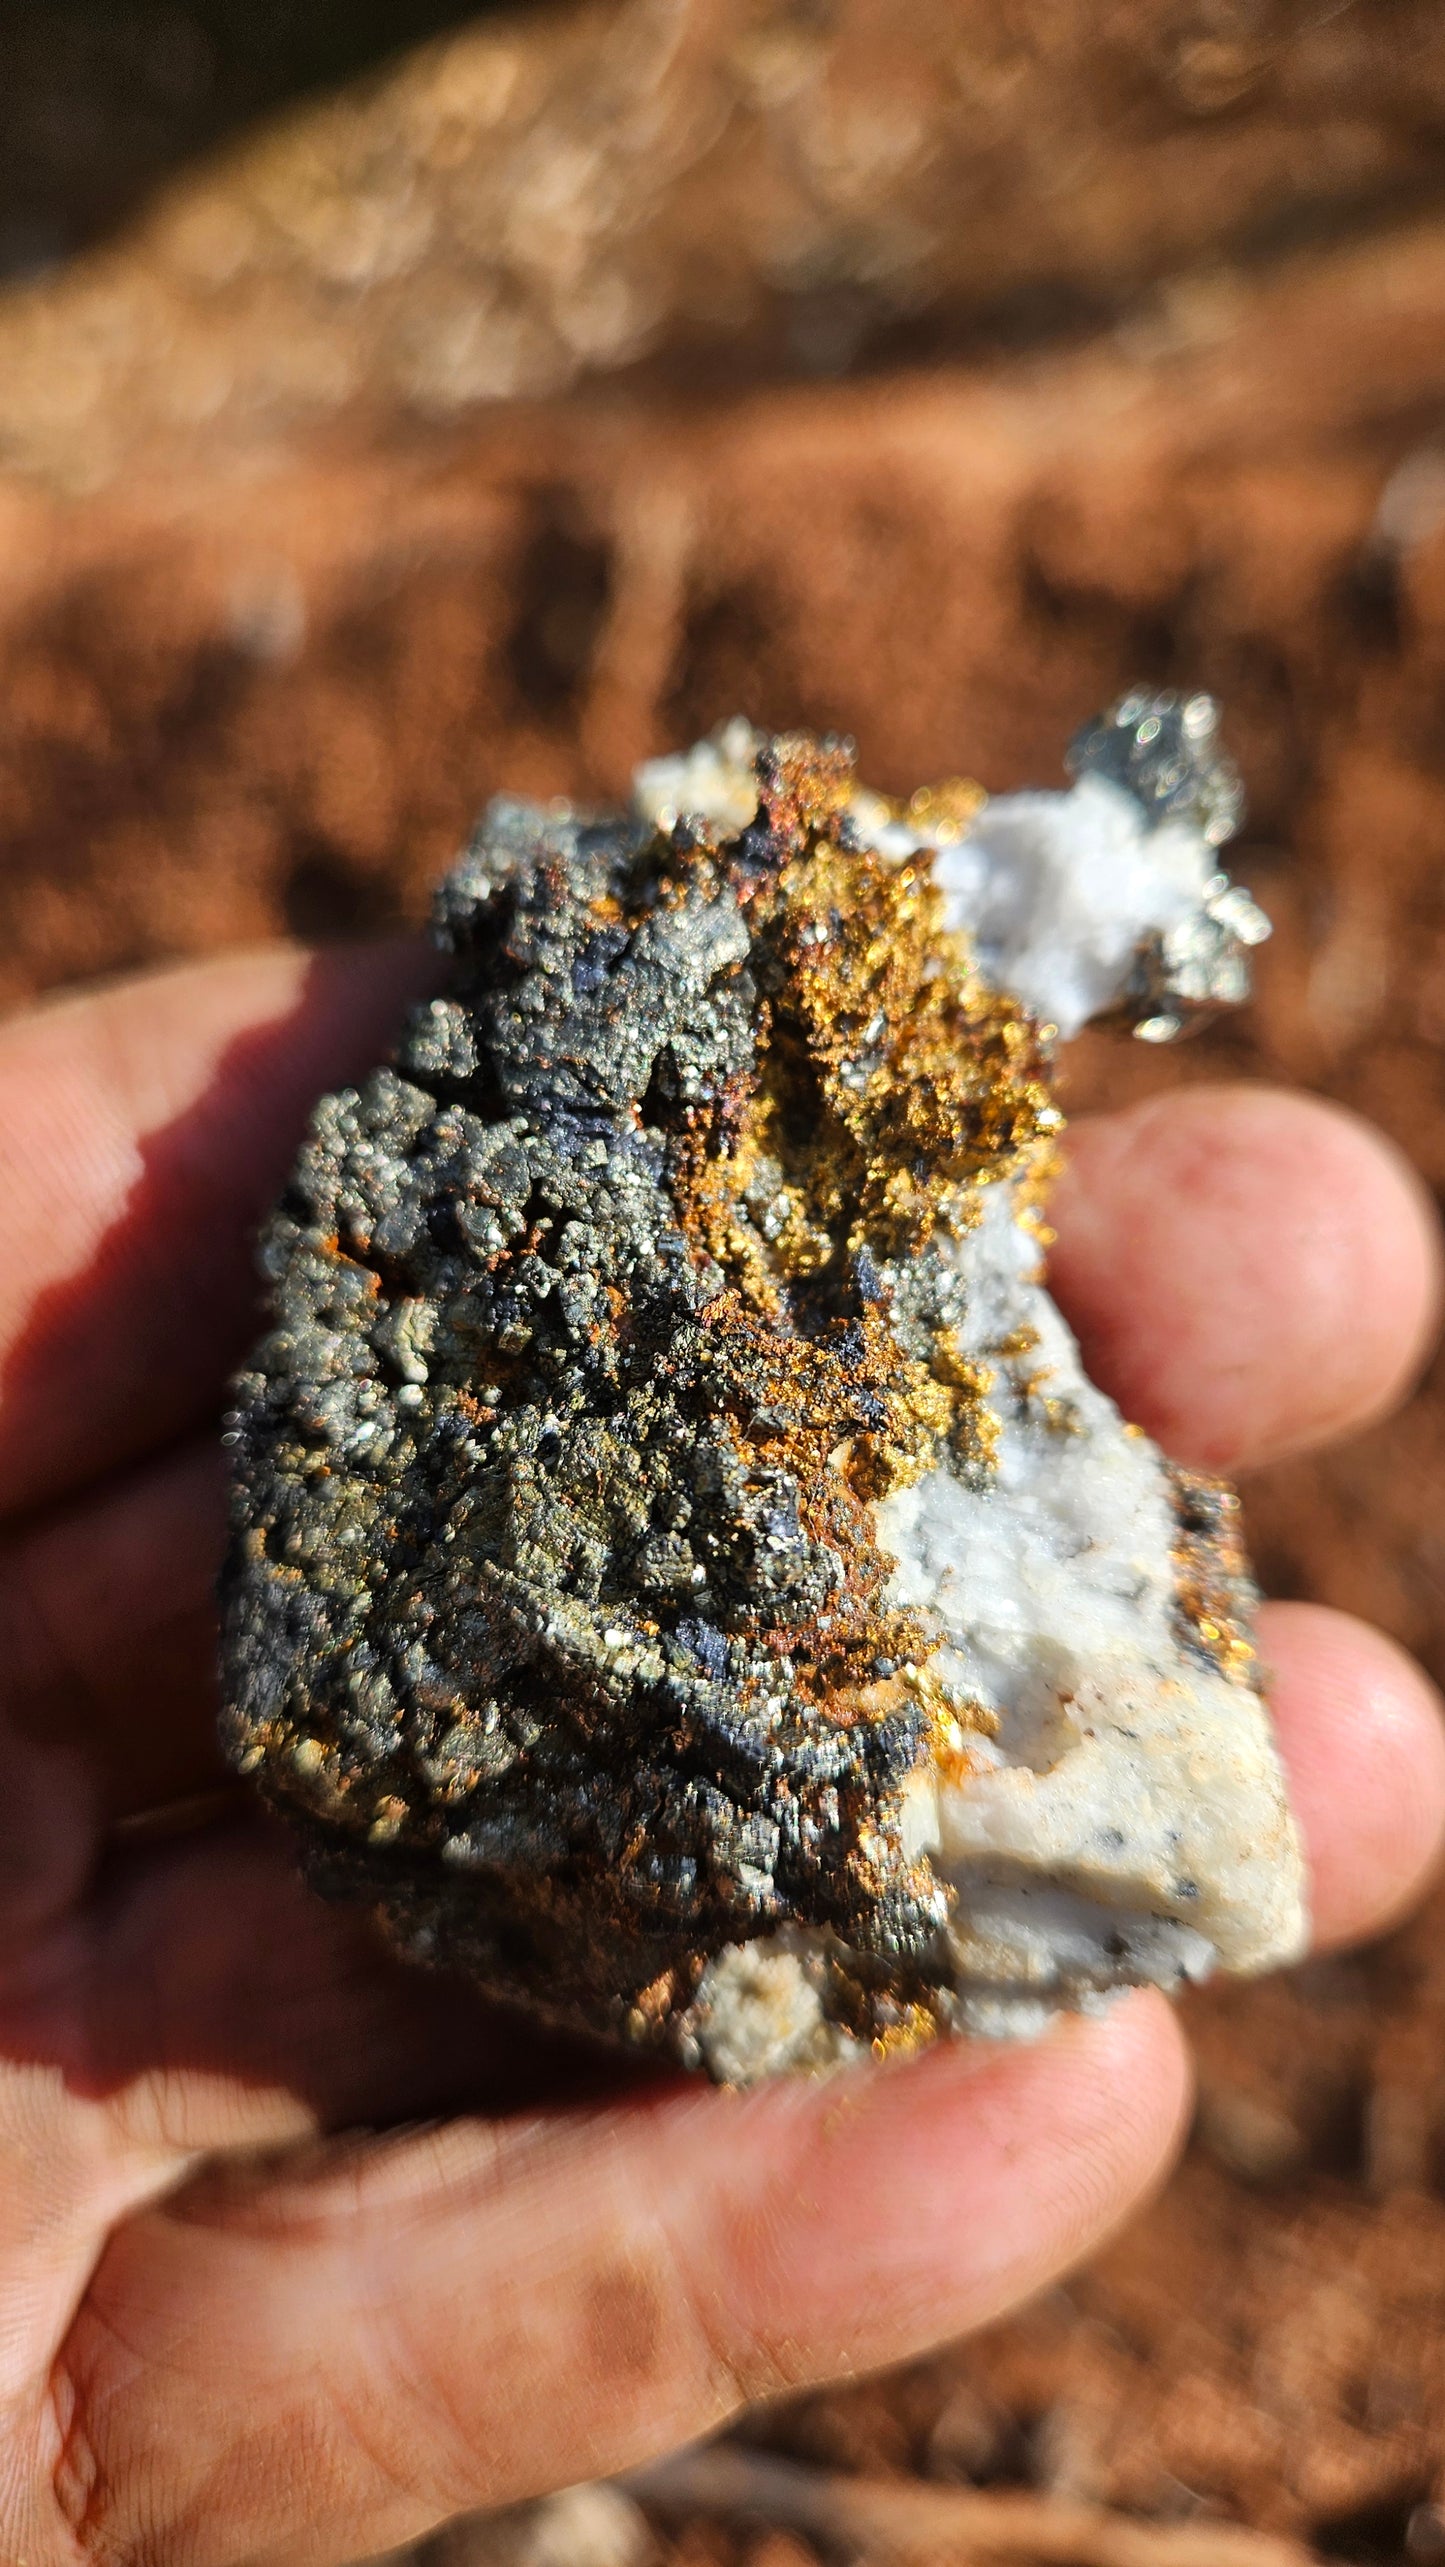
(680, 1571)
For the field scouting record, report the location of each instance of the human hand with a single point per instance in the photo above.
(302, 2252)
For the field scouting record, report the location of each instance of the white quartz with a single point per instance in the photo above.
(1059, 891)
(715, 780)
(1128, 1819)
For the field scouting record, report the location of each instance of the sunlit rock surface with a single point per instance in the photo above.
(680, 1572)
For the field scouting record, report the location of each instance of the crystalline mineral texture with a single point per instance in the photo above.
(681, 1573)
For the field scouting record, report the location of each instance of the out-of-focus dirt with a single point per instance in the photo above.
(251, 687)
(704, 186)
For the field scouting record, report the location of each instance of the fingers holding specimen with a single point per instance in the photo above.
(459, 2318)
(1249, 1272)
(456, 2317)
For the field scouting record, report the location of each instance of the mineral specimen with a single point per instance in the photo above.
(680, 1571)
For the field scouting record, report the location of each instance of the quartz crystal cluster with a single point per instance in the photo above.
(680, 1571)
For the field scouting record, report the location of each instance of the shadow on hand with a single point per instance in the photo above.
(135, 1347)
(205, 1958)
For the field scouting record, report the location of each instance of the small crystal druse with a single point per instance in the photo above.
(680, 1572)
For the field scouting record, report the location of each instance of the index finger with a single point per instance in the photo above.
(143, 1130)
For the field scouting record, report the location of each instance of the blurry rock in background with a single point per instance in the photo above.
(715, 188)
(578, 376)
(594, 2525)
(102, 104)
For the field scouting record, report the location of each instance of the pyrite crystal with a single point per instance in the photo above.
(680, 1572)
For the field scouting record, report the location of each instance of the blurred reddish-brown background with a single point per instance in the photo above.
(399, 402)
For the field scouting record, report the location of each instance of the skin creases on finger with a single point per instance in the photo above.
(1249, 1272)
(491, 2321)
